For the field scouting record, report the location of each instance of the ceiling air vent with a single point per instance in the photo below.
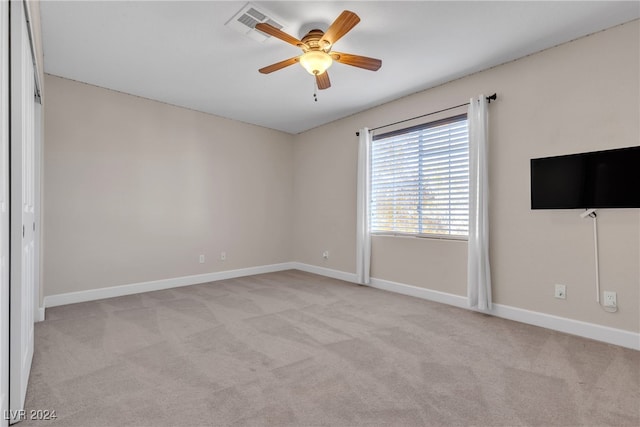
(246, 19)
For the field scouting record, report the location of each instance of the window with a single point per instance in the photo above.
(420, 180)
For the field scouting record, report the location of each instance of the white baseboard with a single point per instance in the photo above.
(593, 331)
(39, 314)
(415, 291)
(562, 324)
(157, 285)
(327, 272)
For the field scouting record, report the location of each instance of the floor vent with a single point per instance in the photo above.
(246, 19)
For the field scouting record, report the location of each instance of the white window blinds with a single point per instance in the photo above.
(420, 180)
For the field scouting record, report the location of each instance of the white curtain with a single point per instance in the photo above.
(478, 271)
(363, 238)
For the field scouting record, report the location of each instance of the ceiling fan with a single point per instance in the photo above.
(317, 45)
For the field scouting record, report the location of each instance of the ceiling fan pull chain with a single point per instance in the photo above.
(315, 90)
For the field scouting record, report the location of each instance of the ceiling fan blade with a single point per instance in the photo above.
(341, 26)
(367, 63)
(279, 65)
(273, 31)
(322, 80)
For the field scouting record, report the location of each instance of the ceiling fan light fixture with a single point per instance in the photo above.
(316, 62)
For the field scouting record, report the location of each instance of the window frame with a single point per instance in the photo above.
(444, 121)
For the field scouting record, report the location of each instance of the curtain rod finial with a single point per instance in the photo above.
(357, 133)
(492, 97)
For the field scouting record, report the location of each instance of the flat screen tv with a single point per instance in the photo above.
(599, 179)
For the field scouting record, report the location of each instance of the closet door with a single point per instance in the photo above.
(22, 276)
(4, 209)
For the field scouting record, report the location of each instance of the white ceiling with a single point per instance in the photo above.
(182, 53)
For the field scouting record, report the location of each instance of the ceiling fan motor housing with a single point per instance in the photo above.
(312, 39)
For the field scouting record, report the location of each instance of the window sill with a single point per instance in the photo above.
(423, 236)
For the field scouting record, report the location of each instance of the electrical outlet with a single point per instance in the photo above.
(201, 259)
(610, 299)
(223, 256)
(561, 292)
(325, 254)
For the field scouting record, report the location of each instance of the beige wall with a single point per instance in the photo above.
(136, 190)
(580, 96)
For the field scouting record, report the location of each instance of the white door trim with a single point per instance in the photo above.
(37, 199)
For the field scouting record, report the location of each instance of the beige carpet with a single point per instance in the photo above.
(295, 349)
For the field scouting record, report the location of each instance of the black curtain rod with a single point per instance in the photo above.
(489, 98)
